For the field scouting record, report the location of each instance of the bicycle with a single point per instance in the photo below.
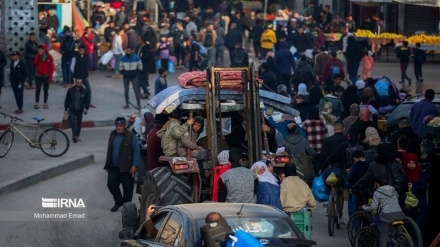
(52, 141)
(398, 235)
(334, 208)
(357, 221)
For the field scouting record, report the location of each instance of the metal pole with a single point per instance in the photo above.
(265, 11)
(88, 3)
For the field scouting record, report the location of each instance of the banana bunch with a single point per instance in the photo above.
(424, 39)
(364, 33)
(389, 35)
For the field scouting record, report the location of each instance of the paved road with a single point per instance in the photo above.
(89, 183)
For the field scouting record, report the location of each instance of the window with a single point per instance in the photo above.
(260, 227)
(172, 231)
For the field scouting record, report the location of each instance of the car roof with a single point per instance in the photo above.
(227, 210)
(418, 97)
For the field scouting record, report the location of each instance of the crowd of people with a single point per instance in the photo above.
(335, 120)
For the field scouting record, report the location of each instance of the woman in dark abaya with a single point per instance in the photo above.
(150, 36)
(349, 97)
(353, 54)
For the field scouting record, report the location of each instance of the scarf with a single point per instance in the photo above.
(266, 176)
(302, 89)
(413, 174)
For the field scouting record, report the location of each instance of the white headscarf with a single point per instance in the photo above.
(137, 125)
(266, 176)
(223, 157)
(302, 89)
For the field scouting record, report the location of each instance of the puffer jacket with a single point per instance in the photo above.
(170, 134)
(386, 198)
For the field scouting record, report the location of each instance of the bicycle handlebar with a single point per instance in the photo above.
(11, 117)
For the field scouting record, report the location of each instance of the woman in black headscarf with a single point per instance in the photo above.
(150, 36)
(353, 54)
(349, 97)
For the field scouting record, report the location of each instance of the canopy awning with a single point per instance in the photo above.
(371, 3)
(172, 97)
(429, 3)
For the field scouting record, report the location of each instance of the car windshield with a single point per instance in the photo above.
(403, 111)
(260, 227)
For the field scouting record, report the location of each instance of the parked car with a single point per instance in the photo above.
(402, 110)
(179, 225)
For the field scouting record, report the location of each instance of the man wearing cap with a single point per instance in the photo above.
(121, 163)
(18, 78)
(130, 67)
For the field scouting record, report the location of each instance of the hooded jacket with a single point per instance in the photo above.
(386, 198)
(170, 134)
(284, 59)
(297, 144)
(44, 64)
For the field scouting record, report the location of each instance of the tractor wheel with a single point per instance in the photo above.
(129, 215)
(162, 187)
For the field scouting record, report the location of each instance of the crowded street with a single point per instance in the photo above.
(244, 123)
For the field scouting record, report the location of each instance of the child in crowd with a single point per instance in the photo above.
(357, 170)
(161, 81)
(386, 198)
(164, 51)
(367, 63)
(365, 104)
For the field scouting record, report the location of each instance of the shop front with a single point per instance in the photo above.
(62, 9)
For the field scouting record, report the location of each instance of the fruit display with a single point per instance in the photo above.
(389, 36)
(368, 34)
(364, 33)
(424, 39)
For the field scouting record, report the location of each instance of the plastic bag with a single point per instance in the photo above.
(320, 190)
(411, 200)
(158, 64)
(105, 59)
(171, 67)
(332, 179)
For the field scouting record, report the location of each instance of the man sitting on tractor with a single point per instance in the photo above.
(189, 141)
(171, 133)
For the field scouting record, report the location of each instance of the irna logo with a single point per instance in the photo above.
(62, 203)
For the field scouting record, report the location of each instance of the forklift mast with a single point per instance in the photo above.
(252, 111)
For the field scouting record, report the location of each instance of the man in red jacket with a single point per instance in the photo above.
(44, 66)
(88, 39)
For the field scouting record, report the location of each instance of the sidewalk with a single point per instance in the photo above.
(24, 166)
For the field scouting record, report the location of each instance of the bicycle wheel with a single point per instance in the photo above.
(53, 142)
(412, 229)
(6, 140)
(339, 203)
(367, 237)
(358, 221)
(330, 216)
(402, 240)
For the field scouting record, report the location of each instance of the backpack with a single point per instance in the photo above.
(304, 167)
(203, 51)
(216, 234)
(397, 177)
(334, 69)
(335, 110)
(350, 150)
